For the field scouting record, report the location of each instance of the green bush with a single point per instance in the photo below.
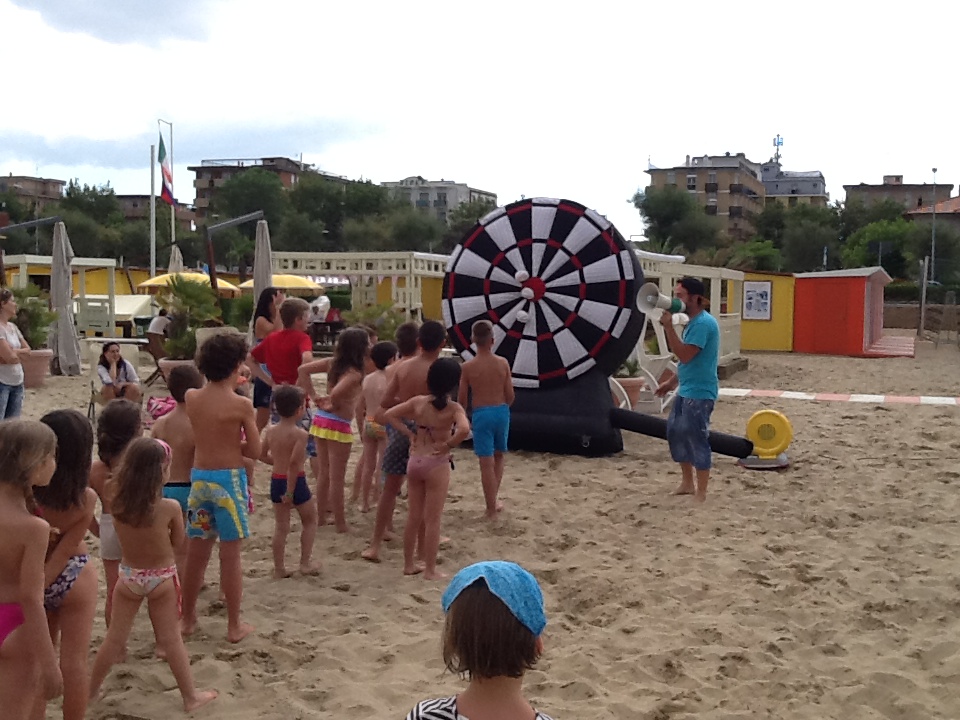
(34, 316)
(382, 318)
(191, 306)
(238, 311)
(341, 299)
(903, 291)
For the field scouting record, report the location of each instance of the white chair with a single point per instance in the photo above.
(653, 368)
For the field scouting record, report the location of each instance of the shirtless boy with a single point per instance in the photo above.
(486, 379)
(217, 507)
(175, 430)
(408, 380)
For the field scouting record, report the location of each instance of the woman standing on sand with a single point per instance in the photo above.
(12, 345)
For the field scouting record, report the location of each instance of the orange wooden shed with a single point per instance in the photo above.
(840, 312)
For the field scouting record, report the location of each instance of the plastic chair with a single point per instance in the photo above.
(653, 368)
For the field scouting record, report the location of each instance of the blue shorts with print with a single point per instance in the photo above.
(688, 432)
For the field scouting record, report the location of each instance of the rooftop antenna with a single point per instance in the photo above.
(777, 143)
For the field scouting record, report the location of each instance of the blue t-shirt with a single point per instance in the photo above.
(698, 378)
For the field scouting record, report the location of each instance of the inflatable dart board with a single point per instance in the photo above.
(559, 284)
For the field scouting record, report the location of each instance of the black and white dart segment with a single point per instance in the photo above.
(558, 283)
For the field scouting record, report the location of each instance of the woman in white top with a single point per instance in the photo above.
(12, 346)
(118, 376)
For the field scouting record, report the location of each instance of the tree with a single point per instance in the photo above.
(300, 233)
(918, 245)
(99, 203)
(854, 215)
(460, 221)
(674, 220)
(757, 255)
(804, 242)
(249, 191)
(411, 229)
(771, 223)
(18, 211)
(883, 241)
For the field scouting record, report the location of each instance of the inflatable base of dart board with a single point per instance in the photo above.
(570, 420)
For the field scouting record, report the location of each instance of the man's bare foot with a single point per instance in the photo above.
(684, 489)
(415, 570)
(310, 569)
(435, 575)
(364, 508)
(280, 573)
(389, 536)
(199, 699)
(188, 627)
(371, 555)
(342, 529)
(239, 633)
(700, 497)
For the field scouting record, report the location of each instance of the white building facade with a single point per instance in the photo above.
(437, 197)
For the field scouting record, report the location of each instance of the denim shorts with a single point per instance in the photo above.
(688, 432)
(11, 401)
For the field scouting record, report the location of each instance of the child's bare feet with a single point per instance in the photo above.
(280, 573)
(199, 699)
(343, 528)
(415, 569)
(238, 633)
(435, 575)
(364, 508)
(371, 555)
(389, 536)
(310, 569)
(188, 626)
(700, 497)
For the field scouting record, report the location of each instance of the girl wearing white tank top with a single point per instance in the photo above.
(12, 345)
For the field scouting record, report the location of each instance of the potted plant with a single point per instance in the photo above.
(34, 319)
(190, 306)
(628, 375)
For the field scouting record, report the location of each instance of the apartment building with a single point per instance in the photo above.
(33, 192)
(911, 195)
(212, 174)
(791, 188)
(137, 207)
(726, 186)
(439, 197)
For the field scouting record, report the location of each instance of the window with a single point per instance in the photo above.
(671, 178)
(424, 196)
(710, 209)
(736, 211)
(691, 182)
(712, 177)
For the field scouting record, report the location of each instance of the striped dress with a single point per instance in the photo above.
(445, 709)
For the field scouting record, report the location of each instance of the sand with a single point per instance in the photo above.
(829, 590)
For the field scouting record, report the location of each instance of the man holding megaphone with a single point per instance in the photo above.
(698, 352)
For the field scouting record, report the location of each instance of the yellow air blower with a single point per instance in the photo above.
(771, 433)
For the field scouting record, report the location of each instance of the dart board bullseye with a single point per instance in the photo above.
(557, 281)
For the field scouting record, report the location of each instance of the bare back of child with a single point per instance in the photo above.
(217, 506)
(408, 380)
(150, 528)
(285, 448)
(488, 384)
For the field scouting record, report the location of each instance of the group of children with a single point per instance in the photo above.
(168, 499)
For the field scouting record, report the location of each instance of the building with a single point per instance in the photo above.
(33, 192)
(910, 195)
(948, 213)
(137, 207)
(792, 188)
(212, 174)
(726, 186)
(440, 197)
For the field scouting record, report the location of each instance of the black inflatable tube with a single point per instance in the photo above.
(721, 443)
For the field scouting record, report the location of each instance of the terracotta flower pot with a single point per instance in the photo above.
(633, 386)
(166, 365)
(36, 367)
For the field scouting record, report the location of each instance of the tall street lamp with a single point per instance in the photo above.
(933, 232)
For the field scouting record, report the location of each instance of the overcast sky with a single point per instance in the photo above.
(560, 99)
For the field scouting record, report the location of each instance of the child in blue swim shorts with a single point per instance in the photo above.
(488, 385)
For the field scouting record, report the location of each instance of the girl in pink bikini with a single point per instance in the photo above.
(150, 528)
(28, 663)
(441, 426)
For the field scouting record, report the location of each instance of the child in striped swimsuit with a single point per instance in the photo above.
(492, 635)
(331, 424)
(148, 526)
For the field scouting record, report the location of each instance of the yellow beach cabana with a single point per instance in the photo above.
(767, 313)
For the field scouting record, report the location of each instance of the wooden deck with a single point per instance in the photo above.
(892, 346)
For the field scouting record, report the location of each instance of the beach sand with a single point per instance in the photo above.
(829, 590)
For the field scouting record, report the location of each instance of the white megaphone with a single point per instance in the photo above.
(651, 300)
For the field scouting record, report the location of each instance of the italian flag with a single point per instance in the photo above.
(166, 192)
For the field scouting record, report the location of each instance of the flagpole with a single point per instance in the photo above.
(153, 212)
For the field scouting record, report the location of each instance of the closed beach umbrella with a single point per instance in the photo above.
(262, 262)
(63, 336)
(176, 260)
